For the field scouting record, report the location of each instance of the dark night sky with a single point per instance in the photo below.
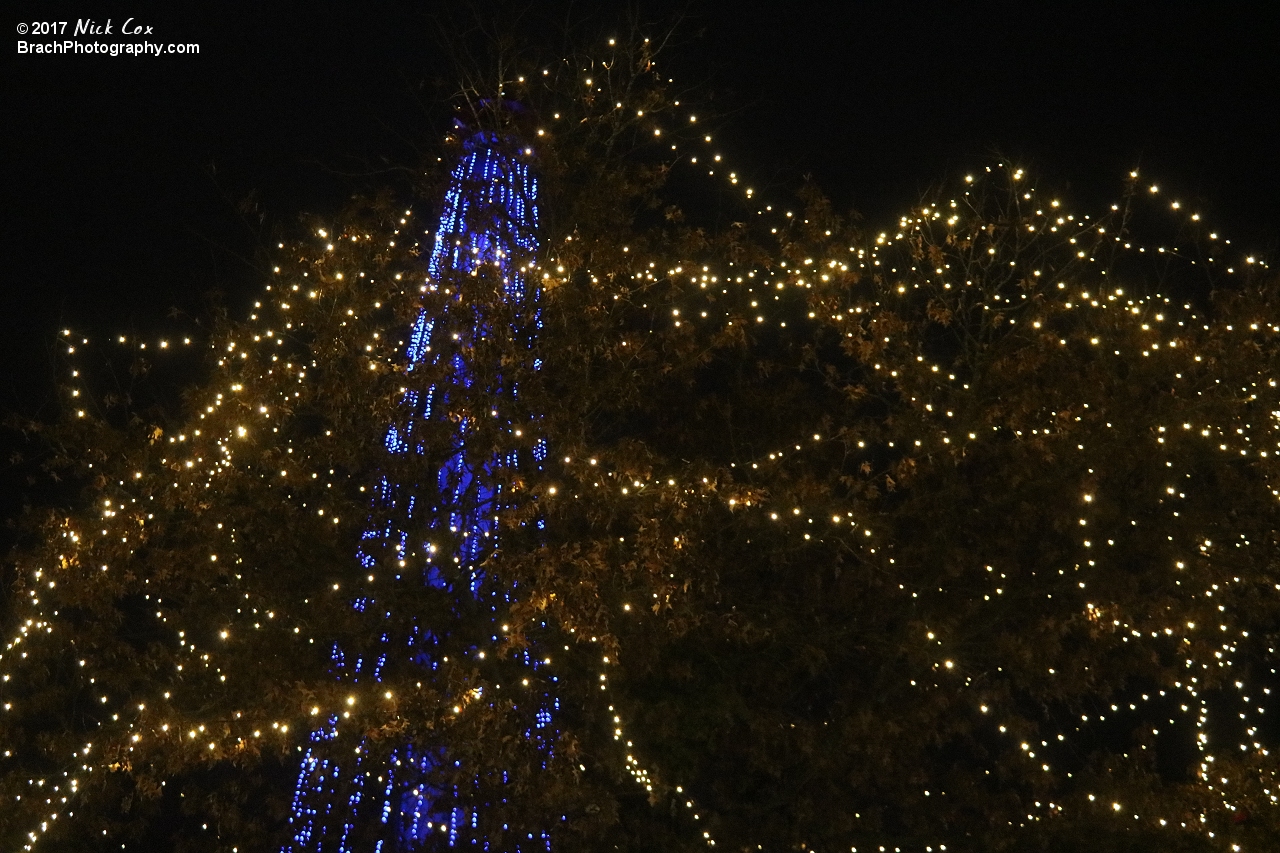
(124, 174)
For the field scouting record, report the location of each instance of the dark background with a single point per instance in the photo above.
(136, 185)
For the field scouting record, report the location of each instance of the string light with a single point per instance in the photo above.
(1086, 312)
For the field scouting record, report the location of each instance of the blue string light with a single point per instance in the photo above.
(489, 219)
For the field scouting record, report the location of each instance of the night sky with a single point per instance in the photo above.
(140, 184)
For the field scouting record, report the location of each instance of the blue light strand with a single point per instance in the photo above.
(489, 218)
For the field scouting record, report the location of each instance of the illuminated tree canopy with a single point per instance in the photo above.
(957, 536)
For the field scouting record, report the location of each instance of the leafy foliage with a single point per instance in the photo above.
(960, 535)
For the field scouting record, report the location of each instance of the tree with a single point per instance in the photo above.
(960, 536)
